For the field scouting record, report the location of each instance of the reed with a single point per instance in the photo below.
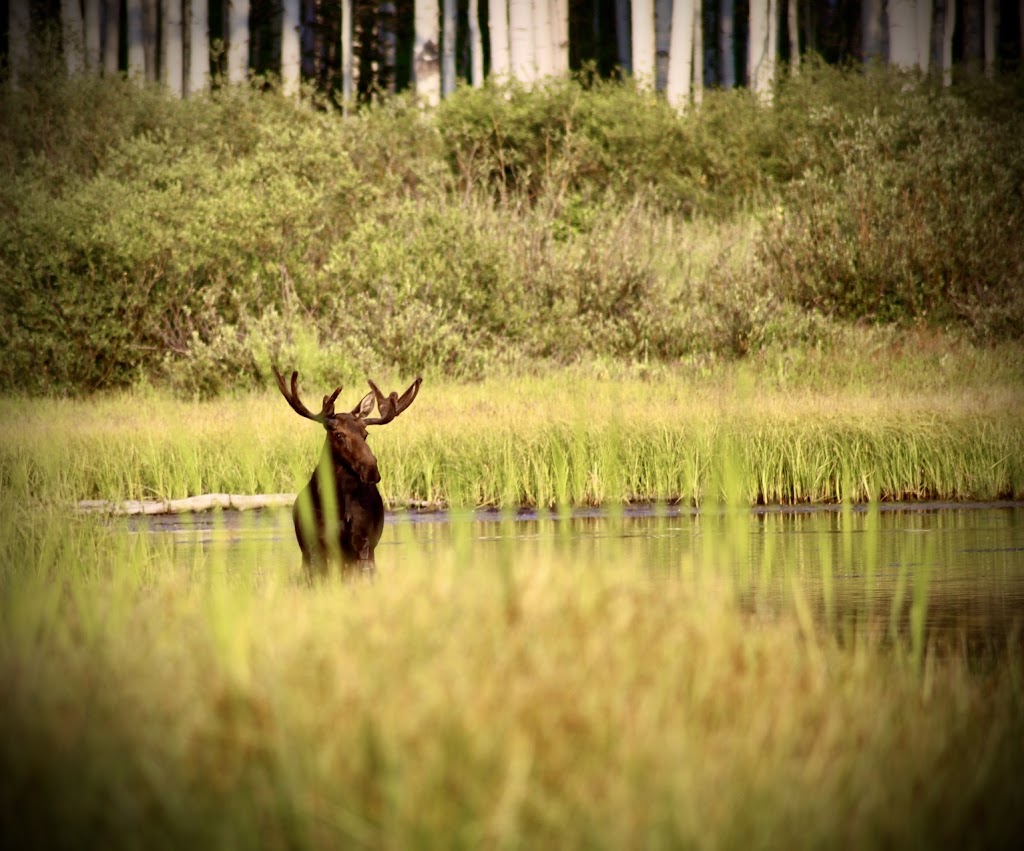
(529, 699)
(566, 439)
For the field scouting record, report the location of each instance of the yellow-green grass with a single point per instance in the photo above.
(574, 437)
(528, 702)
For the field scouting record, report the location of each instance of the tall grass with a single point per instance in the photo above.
(527, 699)
(573, 438)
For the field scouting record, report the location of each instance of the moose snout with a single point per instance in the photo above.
(370, 475)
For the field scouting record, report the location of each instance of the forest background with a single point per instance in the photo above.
(582, 216)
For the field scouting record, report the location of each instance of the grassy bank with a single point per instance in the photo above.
(529, 702)
(900, 421)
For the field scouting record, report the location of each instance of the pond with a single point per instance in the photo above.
(847, 565)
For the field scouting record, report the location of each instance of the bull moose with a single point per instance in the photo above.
(339, 515)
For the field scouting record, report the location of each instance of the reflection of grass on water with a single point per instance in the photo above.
(535, 702)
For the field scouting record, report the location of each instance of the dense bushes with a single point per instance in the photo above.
(143, 238)
(923, 220)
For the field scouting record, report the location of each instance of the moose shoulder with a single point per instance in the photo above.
(339, 515)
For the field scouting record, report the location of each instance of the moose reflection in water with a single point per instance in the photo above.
(339, 516)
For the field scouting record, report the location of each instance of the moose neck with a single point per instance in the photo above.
(348, 481)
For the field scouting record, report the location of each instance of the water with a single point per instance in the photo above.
(858, 565)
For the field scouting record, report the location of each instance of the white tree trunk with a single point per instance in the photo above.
(924, 34)
(238, 40)
(291, 47)
(136, 33)
(476, 45)
(346, 55)
(198, 47)
(172, 69)
(543, 40)
(948, 26)
(72, 31)
(92, 14)
(449, 12)
(111, 36)
(560, 37)
(872, 24)
(761, 48)
(623, 39)
(698, 52)
(793, 29)
(521, 47)
(726, 45)
(991, 29)
(426, 58)
(903, 45)
(680, 57)
(150, 37)
(663, 10)
(642, 26)
(497, 23)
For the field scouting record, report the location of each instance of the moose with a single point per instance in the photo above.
(339, 515)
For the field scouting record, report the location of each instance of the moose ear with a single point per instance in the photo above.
(365, 407)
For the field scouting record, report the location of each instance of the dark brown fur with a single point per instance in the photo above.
(339, 515)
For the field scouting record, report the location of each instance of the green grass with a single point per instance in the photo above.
(529, 695)
(531, 700)
(799, 426)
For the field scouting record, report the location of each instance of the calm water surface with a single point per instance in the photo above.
(861, 564)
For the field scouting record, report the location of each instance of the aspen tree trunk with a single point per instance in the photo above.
(150, 37)
(476, 45)
(92, 13)
(560, 37)
(948, 26)
(346, 55)
(698, 52)
(542, 41)
(761, 48)
(198, 47)
(680, 57)
(522, 58)
(72, 33)
(136, 32)
(924, 34)
(291, 51)
(642, 26)
(872, 31)
(793, 29)
(902, 33)
(111, 36)
(172, 69)
(426, 57)
(726, 45)
(497, 23)
(449, 12)
(238, 40)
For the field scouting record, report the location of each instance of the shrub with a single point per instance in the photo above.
(922, 223)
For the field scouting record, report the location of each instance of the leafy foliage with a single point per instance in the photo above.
(191, 242)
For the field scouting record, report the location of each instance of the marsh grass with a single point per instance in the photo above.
(572, 438)
(525, 699)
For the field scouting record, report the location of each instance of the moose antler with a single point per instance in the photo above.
(391, 406)
(326, 412)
